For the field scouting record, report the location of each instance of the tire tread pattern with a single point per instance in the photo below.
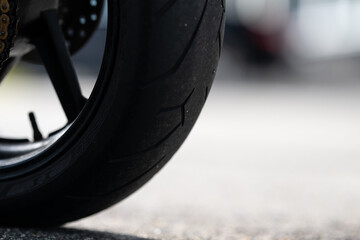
(186, 110)
(166, 104)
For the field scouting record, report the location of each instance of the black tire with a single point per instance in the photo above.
(160, 60)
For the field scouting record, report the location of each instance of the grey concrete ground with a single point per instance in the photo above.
(274, 155)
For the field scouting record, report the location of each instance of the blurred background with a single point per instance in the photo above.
(275, 153)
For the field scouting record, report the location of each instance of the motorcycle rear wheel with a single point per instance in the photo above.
(160, 60)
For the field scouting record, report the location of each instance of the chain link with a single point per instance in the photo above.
(8, 27)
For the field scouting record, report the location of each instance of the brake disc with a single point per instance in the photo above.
(8, 28)
(79, 20)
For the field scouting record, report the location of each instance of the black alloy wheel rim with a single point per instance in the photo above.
(19, 156)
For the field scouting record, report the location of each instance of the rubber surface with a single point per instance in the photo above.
(161, 61)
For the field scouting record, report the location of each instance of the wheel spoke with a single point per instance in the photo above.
(36, 132)
(55, 55)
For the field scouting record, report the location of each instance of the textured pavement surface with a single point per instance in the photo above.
(274, 155)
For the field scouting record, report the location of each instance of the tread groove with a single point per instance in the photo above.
(219, 35)
(156, 165)
(206, 93)
(177, 65)
(181, 106)
(223, 5)
(114, 190)
(156, 144)
(167, 6)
